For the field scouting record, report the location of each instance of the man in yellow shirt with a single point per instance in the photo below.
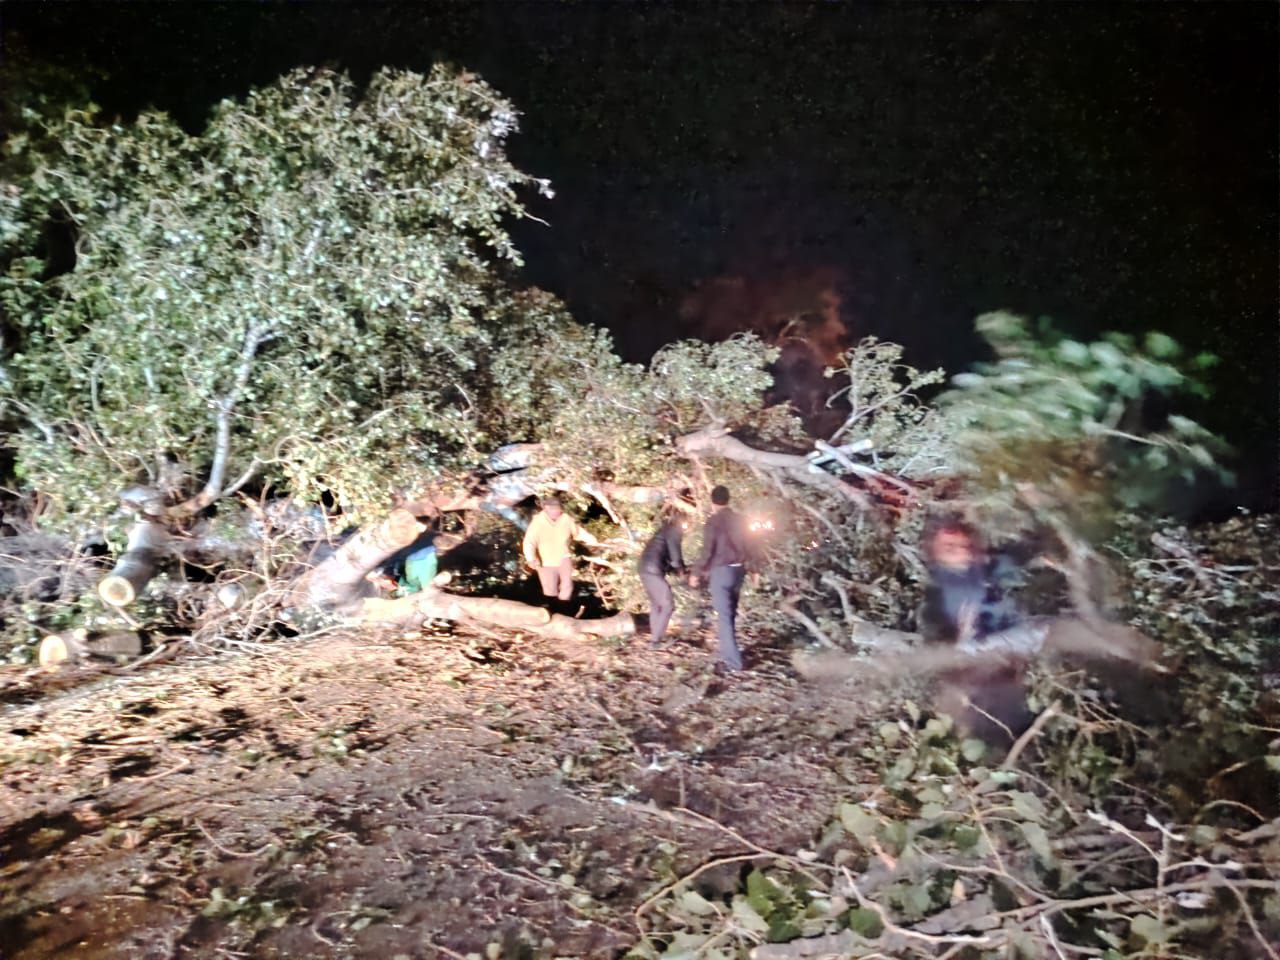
(547, 548)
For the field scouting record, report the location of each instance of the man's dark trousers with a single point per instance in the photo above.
(725, 585)
(662, 604)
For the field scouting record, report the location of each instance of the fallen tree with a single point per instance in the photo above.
(213, 346)
(434, 604)
(337, 583)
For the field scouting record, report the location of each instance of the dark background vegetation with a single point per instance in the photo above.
(888, 169)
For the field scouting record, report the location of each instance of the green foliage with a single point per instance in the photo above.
(947, 842)
(903, 435)
(322, 265)
(560, 384)
(1074, 418)
(321, 272)
(1210, 597)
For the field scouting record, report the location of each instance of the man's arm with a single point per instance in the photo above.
(710, 534)
(530, 544)
(675, 546)
(582, 535)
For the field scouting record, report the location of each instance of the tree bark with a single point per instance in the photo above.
(412, 611)
(254, 337)
(136, 566)
(336, 580)
(715, 441)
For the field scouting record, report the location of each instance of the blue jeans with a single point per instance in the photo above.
(725, 584)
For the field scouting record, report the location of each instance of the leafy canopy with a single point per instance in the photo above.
(1067, 416)
(317, 291)
(321, 267)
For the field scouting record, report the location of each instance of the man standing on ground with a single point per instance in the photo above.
(723, 566)
(662, 555)
(547, 548)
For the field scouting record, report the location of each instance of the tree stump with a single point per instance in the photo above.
(76, 645)
(136, 566)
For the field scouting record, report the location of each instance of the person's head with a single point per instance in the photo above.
(953, 545)
(720, 496)
(552, 507)
(677, 509)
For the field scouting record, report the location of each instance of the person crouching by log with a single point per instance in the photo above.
(725, 552)
(965, 602)
(663, 554)
(548, 550)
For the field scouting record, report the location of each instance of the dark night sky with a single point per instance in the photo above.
(1112, 166)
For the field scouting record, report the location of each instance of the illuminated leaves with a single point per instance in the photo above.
(359, 233)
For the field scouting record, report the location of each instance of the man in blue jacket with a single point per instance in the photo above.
(723, 566)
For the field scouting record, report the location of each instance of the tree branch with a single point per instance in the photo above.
(715, 441)
(225, 406)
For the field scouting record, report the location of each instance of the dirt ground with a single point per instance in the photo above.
(398, 797)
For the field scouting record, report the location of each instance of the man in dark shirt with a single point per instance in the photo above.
(966, 601)
(662, 555)
(723, 566)
(966, 598)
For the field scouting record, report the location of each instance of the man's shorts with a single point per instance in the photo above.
(557, 580)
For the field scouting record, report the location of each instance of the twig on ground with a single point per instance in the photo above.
(618, 728)
(315, 932)
(524, 877)
(1248, 913)
(156, 654)
(687, 878)
(891, 927)
(1047, 927)
(829, 944)
(1031, 733)
(229, 852)
(1129, 897)
(181, 765)
(996, 720)
(452, 954)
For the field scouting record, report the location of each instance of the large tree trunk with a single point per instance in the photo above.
(136, 566)
(337, 580)
(412, 611)
(898, 654)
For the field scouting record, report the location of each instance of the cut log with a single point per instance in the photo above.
(136, 566)
(898, 655)
(59, 648)
(231, 596)
(569, 628)
(337, 579)
(1101, 640)
(75, 645)
(437, 605)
